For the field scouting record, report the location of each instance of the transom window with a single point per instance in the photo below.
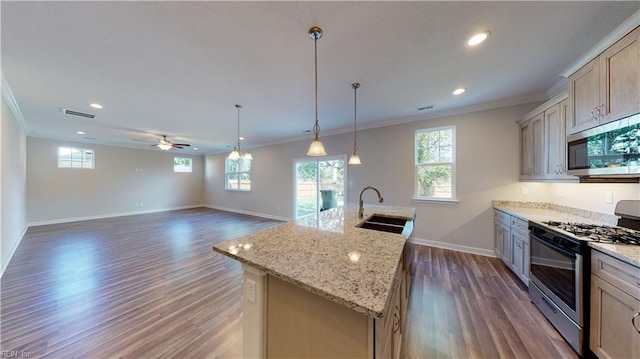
(71, 157)
(181, 164)
(435, 163)
(238, 174)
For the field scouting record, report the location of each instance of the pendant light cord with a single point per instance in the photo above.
(316, 127)
(355, 109)
(238, 139)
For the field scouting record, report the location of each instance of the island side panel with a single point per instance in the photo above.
(254, 302)
(301, 324)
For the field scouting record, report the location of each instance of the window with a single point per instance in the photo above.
(435, 161)
(181, 164)
(69, 157)
(238, 174)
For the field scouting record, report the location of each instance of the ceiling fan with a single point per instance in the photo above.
(166, 145)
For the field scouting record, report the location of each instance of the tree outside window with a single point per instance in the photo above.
(435, 163)
(238, 174)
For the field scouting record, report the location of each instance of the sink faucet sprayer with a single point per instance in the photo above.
(361, 205)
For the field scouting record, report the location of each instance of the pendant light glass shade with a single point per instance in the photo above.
(355, 159)
(164, 147)
(236, 154)
(317, 148)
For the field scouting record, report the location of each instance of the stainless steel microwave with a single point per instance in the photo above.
(610, 150)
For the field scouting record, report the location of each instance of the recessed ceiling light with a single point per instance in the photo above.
(241, 138)
(195, 148)
(96, 105)
(459, 91)
(478, 38)
(81, 132)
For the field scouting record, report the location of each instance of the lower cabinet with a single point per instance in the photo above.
(512, 243)
(615, 308)
(520, 249)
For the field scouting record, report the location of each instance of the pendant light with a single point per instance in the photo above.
(316, 148)
(237, 152)
(355, 159)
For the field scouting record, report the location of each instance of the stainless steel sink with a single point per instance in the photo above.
(388, 224)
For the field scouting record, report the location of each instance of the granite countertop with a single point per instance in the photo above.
(328, 255)
(540, 212)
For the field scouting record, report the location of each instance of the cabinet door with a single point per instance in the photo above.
(526, 150)
(506, 245)
(555, 141)
(612, 332)
(499, 234)
(620, 78)
(517, 255)
(537, 132)
(584, 96)
(565, 114)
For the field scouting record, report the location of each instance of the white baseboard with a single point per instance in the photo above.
(250, 213)
(12, 252)
(109, 215)
(453, 247)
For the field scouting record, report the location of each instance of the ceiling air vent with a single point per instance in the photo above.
(77, 113)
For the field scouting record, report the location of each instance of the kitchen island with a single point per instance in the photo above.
(321, 286)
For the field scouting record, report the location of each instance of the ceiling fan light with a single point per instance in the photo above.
(316, 149)
(164, 146)
(354, 159)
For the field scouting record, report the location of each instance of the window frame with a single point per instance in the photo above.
(82, 161)
(183, 158)
(239, 174)
(452, 164)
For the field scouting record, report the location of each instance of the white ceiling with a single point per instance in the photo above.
(178, 68)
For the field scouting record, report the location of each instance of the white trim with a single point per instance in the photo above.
(7, 94)
(557, 89)
(110, 215)
(615, 35)
(454, 247)
(545, 106)
(13, 251)
(436, 200)
(250, 213)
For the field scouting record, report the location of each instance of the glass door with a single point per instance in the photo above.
(319, 185)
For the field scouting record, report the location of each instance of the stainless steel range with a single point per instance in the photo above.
(560, 268)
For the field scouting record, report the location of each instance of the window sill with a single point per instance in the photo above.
(434, 200)
(237, 190)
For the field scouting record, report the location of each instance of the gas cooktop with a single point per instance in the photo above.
(599, 233)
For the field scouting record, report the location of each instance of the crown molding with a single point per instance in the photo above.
(615, 35)
(558, 88)
(7, 95)
(512, 101)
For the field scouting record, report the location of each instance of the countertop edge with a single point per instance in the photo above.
(612, 252)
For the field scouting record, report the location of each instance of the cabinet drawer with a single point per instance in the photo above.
(502, 217)
(519, 225)
(620, 274)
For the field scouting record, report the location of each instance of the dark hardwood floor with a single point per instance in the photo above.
(149, 286)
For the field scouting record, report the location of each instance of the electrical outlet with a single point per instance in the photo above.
(524, 191)
(251, 291)
(608, 197)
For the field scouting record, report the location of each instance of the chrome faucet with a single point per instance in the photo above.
(361, 204)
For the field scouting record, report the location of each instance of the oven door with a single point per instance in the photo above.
(557, 272)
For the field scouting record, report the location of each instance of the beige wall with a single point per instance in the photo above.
(124, 181)
(487, 169)
(13, 150)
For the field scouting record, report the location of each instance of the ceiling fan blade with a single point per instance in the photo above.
(182, 144)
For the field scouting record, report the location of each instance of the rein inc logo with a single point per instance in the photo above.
(15, 354)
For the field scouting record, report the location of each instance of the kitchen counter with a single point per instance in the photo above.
(543, 212)
(329, 256)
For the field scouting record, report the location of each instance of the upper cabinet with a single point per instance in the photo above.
(543, 141)
(608, 87)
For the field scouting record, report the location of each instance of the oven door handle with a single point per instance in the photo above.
(552, 247)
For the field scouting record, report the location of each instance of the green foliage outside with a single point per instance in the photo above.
(435, 150)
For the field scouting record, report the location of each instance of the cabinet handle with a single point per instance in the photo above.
(601, 110)
(633, 322)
